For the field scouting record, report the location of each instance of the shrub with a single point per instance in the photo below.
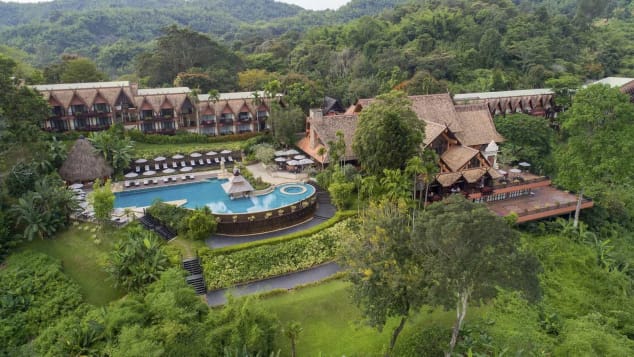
(200, 224)
(171, 216)
(224, 270)
(183, 137)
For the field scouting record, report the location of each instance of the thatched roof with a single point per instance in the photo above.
(84, 164)
(236, 185)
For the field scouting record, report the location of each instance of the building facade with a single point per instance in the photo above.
(97, 106)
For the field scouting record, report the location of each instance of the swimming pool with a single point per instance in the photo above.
(209, 193)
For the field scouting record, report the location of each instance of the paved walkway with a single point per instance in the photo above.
(289, 281)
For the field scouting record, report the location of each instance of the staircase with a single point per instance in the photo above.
(323, 200)
(150, 223)
(195, 277)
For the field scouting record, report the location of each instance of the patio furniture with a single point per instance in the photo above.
(184, 178)
(146, 182)
(157, 167)
(201, 162)
(164, 165)
(192, 162)
(174, 164)
(147, 167)
(216, 161)
(126, 184)
(183, 164)
(137, 169)
(208, 161)
(166, 179)
(137, 183)
(230, 158)
(155, 181)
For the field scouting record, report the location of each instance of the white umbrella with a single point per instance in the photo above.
(177, 157)
(299, 157)
(149, 173)
(515, 171)
(306, 162)
(224, 152)
(292, 162)
(211, 153)
(280, 159)
(159, 159)
(140, 161)
(502, 172)
(169, 171)
(131, 175)
(524, 164)
(280, 153)
(195, 154)
(292, 152)
(76, 186)
(186, 169)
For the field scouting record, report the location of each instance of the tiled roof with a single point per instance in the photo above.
(73, 86)
(457, 156)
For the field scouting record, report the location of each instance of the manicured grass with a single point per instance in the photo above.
(153, 150)
(332, 324)
(187, 247)
(82, 259)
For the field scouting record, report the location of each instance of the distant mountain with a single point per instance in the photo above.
(46, 30)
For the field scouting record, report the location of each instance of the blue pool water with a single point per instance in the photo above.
(210, 193)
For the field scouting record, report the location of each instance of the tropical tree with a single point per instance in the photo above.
(286, 123)
(467, 253)
(115, 148)
(322, 151)
(388, 133)
(395, 185)
(102, 200)
(292, 332)
(385, 275)
(34, 222)
(137, 260)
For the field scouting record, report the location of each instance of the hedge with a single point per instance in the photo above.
(338, 217)
(264, 261)
(186, 137)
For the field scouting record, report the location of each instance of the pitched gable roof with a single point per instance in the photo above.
(327, 128)
(457, 156)
(477, 125)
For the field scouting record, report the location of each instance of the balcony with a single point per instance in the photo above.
(226, 122)
(244, 118)
(93, 127)
(208, 123)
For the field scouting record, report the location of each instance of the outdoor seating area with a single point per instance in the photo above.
(178, 163)
(156, 181)
(292, 161)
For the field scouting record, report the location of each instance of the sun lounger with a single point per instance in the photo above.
(155, 181)
(222, 159)
(164, 165)
(137, 183)
(126, 184)
(157, 167)
(146, 182)
(201, 162)
(183, 164)
(174, 164)
(166, 179)
(192, 162)
(191, 177)
(137, 169)
(216, 160)
(183, 178)
(208, 161)
(147, 167)
(230, 158)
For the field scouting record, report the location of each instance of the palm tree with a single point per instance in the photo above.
(292, 332)
(430, 169)
(395, 185)
(414, 168)
(322, 153)
(29, 213)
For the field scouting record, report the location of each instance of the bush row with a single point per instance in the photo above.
(192, 224)
(184, 137)
(264, 261)
(338, 217)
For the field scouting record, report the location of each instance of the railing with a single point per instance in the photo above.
(520, 182)
(226, 121)
(547, 208)
(208, 123)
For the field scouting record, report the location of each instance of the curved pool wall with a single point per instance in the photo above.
(256, 214)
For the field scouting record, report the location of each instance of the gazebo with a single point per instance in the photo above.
(84, 164)
(237, 186)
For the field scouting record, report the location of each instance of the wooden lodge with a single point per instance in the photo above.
(97, 106)
(466, 141)
(539, 102)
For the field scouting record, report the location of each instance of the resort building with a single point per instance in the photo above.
(538, 102)
(96, 106)
(466, 141)
(625, 84)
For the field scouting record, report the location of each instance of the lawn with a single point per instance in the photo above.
(82, 258)
(153, 150)
(332, 325)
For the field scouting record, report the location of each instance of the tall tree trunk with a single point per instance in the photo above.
(293, 353)
(395, 334)
(461, 312)
(578, 209)
(426, 195)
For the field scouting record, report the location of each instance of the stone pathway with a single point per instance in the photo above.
(289, 281)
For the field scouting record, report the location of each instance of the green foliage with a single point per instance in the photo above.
(263, 152)
(428, 342)
(528, 138)
(340, 189)
(137, 260)
(34, 293)
(169, 215)
(259, 262)
(114, 147)
(201, 224)
(597, 130)
(390, 116)
(183, 137)
(285, 123)
(242, 324)
(21, 179)
(593, 334)
(102, 200)
(257, 183)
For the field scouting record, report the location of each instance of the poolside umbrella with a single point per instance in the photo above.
(515, 171)
(525, 165)
(299, 157)
(195, 154)
(140, 161)
(76, 186)
(149, 173)
(306, 162)
(186, 169)
(177, 157)
(84, 164)
(292, 162)
(280, 159)
(169, 171)
(502, 172)
(211, 153)
(292, 152)
(131, 175)
(159, 159)
(224, 152)
(280, 153)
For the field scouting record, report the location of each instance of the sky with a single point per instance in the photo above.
(306, 4)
